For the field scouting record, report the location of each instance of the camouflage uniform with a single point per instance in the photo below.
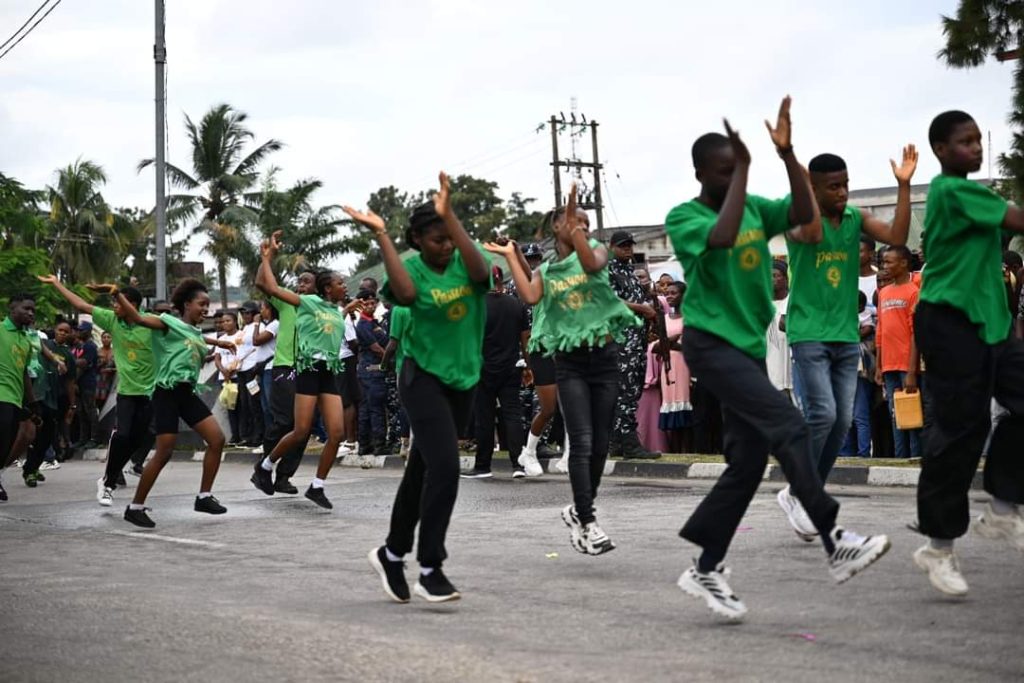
(632, 353)
(393, 406)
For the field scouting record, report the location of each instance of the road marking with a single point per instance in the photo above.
(168, 539)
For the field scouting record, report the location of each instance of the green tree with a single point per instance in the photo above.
(477, 204)
(395, 207)
(19, 267)
(222, 178)
(522, 224)
(83, 233)
(21, 221)
(982, 29)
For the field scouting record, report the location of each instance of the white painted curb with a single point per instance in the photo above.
(95, 454)
(893, 476)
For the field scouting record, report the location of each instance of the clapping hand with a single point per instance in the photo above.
(782, 133)
(905, 171)
(369, 219)
(739, 149)
(442, 200)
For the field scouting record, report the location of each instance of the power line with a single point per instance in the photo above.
(39, 21)
(20, 28)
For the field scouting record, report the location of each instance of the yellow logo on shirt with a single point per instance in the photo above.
(457, 311)
(750, 258)
(442, 296)
(574, 301)
(834, 276)
(132, 356)
(20, 355)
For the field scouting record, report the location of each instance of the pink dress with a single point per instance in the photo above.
(648, 412)
(676, 410)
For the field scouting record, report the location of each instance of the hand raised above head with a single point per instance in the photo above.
(782, 133)
(368, 219)
(739, 149)
(442, 200)
(905, 171)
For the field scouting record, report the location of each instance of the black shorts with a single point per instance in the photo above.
(180, 402)
(315, 381)
(543, 368)
(348, 383)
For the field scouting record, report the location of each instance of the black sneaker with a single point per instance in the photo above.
(262, 479)
(435, 587)
(318, 497)
(39, 477)
(137, 470)
(282, 485)
(138, 517)
(392, 575)
(476, 474)
(3, 494)
(209, 505)
(120, 479)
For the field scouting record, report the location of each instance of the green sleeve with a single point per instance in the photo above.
(689, 230)
(774, 213)
(104, 318)
(983, 207)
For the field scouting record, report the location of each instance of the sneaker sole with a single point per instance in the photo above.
(106, 502)
(986, 530)
(141, 525)
(211, 512)
(379, 568)
(601, 549)
(718, 608)
(945, 590)
(874, 556)
(423, 593)
(805, 536)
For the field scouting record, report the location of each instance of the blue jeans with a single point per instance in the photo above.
(905, 443)
(827, 374)
(861, 422)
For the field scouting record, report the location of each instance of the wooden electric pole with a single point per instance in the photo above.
(592, 200)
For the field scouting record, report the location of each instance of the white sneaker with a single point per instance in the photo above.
(796, 515)
(518, 474)
(854, 553)
(943, 569)
(562, 465)
(50, 465)
(18, 464)
(595, 540)
(575, 528)
(714, 590)
(104, 496)
(1009, 528)
(528, 461)
(347, 448)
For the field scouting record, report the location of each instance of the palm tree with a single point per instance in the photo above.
(222, 174)
(84, 231)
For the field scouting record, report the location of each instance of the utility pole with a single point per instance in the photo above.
(160, 58)
(588, 200)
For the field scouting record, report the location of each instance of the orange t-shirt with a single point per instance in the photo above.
(895, 329)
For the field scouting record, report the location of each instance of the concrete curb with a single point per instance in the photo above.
(644, 469)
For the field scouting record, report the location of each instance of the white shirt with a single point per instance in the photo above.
(778, 360)
(267, 350)
(247, 350)
(869, 285)
(227, 359)
(350, 336)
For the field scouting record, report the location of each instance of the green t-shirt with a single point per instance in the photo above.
(400, 318)
(179, 351)
(284, 353)
(319, 331)
(577, 308)
(963, 223)
(729, 291)
(445, 332)
(15, 354)
(825, 282)
(133, 353)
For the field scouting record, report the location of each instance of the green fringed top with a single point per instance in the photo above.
(319, 332)
(577, 308)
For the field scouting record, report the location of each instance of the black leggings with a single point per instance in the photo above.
(45, 431)
(588, 386)
(133, 433)
(437, 413)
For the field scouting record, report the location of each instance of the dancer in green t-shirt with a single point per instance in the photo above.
(178, 350)
(15, 384)
(580, 320)
(319, 332)
(721, 240)
(962, 329)
(136, 371)
(443, 286)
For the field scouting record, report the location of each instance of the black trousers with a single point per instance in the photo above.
(758, 419)
(282, 411)
(89, 417)
(437, 413)
(10, 421)
(964, 375)
(45, 433)
(500, 389)
(133, 433)
(250, 409)
(588, 386)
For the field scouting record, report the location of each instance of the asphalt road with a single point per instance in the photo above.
(280, 590)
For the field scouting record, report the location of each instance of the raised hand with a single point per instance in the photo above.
(354, 306)
(48, 279)
(265, 249)
(570, 209)
(508, 249)
(275, 242)
(739, 149)
(442, 200)
(782, 133)
(101, 288)
(905, 171)
(369, 219)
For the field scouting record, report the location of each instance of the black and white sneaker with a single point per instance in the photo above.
(262, 479)
(854, 552)
(575, 528)
(3, 494)
(518, 474)
(209, 505)
(392, 575)
(318, 497)
(435, 587)
(476, 474)
(713, 589)
(595, 540)
(138, 517)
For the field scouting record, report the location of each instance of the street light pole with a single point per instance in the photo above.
(160, 58)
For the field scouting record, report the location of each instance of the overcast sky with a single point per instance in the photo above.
(376, 93)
